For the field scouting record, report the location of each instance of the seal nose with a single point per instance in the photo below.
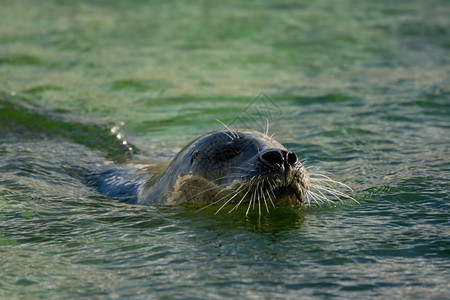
(272, 158)
(278, 158)
(291, 158)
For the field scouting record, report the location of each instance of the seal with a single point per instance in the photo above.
(225, 166)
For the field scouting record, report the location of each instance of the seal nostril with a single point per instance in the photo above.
(291, 158)
(272, 157)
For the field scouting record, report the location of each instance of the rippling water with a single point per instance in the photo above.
(356, 89)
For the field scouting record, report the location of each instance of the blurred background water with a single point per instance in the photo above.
(357, 88)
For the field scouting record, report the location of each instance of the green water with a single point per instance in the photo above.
(356, 88)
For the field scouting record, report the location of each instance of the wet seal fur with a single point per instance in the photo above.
(225, 166)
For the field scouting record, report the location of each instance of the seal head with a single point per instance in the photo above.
(230, 166)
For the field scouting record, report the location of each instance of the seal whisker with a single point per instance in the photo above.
(303, 161)
(334, 192)
(272, 189)
(244, 169)
(263, 196)
(257, 191)
(209, 189)
(321, 175)
(270, 199)
(217, 201)
(266, 132)
(204, 191)
(250, 203)
(235, 175)
(323, 185)
(318, 168)
(259, 204)
(242, 199)
(329, 187)
(308, 196)
(321, 195)
(215, 187)
(230, 136)
(316, 197)
(268, 194)
(259, 199)
(326, 186)
(328, 179)
(235, 135)
(251, 165)
(321, 198)
(309, 199)
(312, 167)
(235, 192)
(218, 193)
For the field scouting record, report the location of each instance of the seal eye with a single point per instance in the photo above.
(227, 154)
(194, 156)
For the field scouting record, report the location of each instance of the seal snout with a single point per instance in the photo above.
(276, 158)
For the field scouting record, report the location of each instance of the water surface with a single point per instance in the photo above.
(358, 89)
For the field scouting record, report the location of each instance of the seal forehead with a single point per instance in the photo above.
(239, 138)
